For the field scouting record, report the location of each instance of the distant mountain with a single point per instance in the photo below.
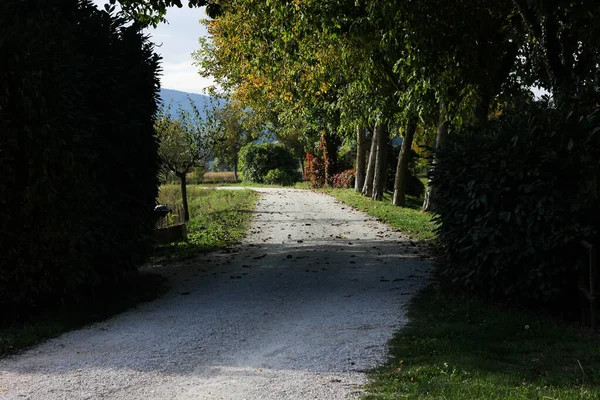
(177, 98)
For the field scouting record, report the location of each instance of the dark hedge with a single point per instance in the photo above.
(515, 201)
(78, 154)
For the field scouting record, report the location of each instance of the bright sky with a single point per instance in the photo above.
(175, 42)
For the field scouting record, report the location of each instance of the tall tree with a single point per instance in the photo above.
(401, 179)
(379, 176)
(231, 128)
(367, 189)
(441, 141)
(361, 153)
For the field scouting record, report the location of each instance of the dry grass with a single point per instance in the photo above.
(218, 177)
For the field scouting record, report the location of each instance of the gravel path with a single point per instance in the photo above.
(299, 311)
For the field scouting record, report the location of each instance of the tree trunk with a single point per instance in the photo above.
(361, 151)
(302, 169)
(380, 164)
(235, 171)
(183, 179)
(441, 141)
(401, 180)
(367, 189)
(482, 110)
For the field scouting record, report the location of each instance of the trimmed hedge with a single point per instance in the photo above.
(257, 160)
(78, 155)
(280, 177)
(516, 199)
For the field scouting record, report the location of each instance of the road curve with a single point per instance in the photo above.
(299, 311)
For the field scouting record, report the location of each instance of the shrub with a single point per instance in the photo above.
(256, 160)
(280, 177)
(515, 200)
(78, 156)
(344, 179)
(314, 171)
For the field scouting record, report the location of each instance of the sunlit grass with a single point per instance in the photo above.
(218, 218)
(410, 220)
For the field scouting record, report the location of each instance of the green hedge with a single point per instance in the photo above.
(516, 199)
(257, 160)
(78, 92)
(281, 177)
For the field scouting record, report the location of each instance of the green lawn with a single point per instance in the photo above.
(463, 348)
(218, 218)
(410, 220)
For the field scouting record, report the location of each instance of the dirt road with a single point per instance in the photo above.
(299, 311)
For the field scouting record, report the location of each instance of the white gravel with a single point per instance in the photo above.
(299, 311)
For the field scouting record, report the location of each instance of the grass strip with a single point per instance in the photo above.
(410, 219)
(218, 219)
(464, 348)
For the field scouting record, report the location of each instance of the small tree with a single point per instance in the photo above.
(184, 145)
(231, 128)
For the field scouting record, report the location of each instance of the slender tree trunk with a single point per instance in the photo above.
(401, 180)
(361, 152)
(367, 189)
(302, 168)
(183, 179)
(235, 171)
(441, 141)
(380, 164)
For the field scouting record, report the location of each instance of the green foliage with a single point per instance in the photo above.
(281, 177)
(218, 218)
(152, 12)
(458, 348)
(185, 142)
(256, 160)
(516, 199)
(77, 153)
(232, 128)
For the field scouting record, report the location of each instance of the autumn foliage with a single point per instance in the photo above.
(314, 171)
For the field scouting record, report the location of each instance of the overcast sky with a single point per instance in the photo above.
(175, 42)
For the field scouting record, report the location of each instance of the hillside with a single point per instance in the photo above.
(176, 98)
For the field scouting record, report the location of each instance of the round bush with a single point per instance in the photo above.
(279, 177)
(256, 160)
